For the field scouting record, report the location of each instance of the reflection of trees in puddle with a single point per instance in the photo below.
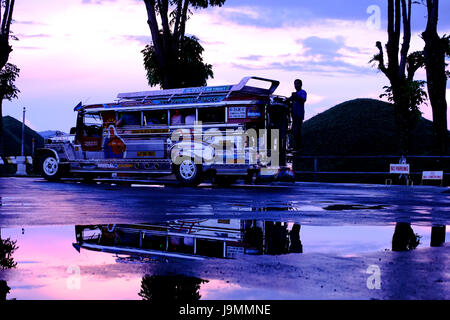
(7, 248)
(404, 238)
(171, 288)
(4, 290)
(437, 235)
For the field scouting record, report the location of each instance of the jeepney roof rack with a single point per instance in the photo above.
(212, 94)
(198, 92)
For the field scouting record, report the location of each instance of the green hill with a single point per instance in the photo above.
(12, 137)
(362, 127)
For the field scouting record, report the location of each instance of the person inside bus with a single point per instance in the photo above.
(176, 118)
(155, 117)
(129, 119)
(190, 119)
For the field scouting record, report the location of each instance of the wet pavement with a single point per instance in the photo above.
(72, 240)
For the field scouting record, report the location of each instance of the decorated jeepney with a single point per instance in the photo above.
(193, 239)
(223, 132)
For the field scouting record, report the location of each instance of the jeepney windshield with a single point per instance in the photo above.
(93, 125)
(93, 119)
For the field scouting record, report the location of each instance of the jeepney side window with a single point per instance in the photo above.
(176, 118)
(211, 115)
(129, 119)
(189, 116)
(155, 117)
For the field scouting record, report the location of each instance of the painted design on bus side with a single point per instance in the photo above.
(114, 146)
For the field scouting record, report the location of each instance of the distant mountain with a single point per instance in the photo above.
(362, 127)
(12, 137)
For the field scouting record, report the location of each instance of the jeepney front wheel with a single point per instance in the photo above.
(189, 173)
(50, 167)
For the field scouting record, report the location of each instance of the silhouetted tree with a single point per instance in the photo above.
(171, 49)
(8, 91)
(436, 48)
(171, 288)
(190, 69)
(405, 93)
(5, 49)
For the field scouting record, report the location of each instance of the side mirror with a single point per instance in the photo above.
(73, 130)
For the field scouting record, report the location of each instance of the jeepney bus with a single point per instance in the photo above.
(223, 132)
(192, 239)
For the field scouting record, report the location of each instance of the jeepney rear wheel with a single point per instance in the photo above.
(50, 167)
(189, 173)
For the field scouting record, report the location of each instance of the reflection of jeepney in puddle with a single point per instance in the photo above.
(189, 132)
(192, 239)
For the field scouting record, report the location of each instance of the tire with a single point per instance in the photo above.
(50, 168)
(189, 173)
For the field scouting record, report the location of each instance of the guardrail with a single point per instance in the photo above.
(16, 165)
(363, 165)
(13, 160)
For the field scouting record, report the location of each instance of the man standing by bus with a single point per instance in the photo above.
(298, 100)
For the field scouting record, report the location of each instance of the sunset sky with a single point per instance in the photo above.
(89, 50)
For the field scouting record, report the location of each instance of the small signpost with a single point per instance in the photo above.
(401, 168)
(21, 166)
(433, 176)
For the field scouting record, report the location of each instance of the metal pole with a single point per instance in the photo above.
(23, 131)
(315, 168)
(32, 147)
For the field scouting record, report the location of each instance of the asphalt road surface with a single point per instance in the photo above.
(346, 237)
(35, 201)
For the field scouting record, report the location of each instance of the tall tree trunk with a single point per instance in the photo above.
(434, 53)
(157, 42)
(5, 50)
(399, 13)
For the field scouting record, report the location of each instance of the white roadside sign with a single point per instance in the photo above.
(433, 175)
(399, 168)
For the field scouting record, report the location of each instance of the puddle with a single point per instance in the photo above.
(148, 260)
(338, 207)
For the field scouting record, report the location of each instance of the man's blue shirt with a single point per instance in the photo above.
(298, 108)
